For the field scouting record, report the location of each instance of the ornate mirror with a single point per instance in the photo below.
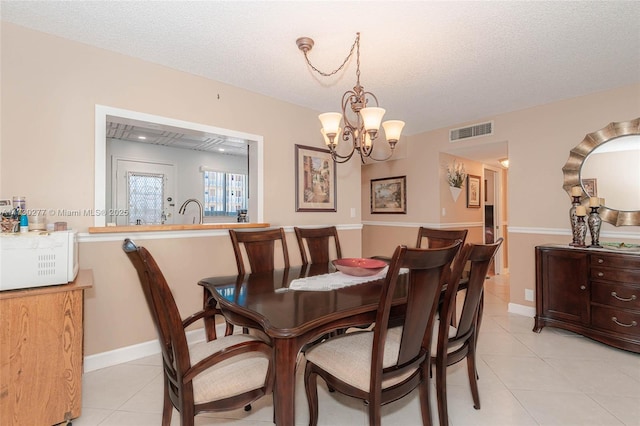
(606, 164)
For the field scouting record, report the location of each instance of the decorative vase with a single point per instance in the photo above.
(574, 220)
(594, 223)
(581, 232)
(455, 192)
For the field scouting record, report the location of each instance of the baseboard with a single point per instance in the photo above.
(137, 351)
(526, 311)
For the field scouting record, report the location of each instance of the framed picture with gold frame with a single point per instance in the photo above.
(389, 195)
(315, 180)
(474, 191)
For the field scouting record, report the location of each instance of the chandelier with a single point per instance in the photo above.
(361, 121)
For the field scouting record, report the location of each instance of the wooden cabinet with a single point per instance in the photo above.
(593, 292)
(41, 340)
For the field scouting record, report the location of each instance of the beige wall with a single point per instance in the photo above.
(50, 87)
(539, 140)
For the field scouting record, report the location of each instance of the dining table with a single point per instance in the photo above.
(293, 315)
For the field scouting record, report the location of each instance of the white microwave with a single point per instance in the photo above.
(37, 259)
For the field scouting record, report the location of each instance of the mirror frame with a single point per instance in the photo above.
(576, 159)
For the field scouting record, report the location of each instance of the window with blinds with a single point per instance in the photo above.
(224, 193)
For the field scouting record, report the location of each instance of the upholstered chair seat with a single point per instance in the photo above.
(240, 374)
(357, 347)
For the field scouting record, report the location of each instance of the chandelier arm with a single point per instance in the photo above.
(337, 158)
(343, 158)
(377, 159)
(329, 74)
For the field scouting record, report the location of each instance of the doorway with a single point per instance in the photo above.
(145, 190)
(494, 181)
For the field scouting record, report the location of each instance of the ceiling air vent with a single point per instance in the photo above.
(482, 129)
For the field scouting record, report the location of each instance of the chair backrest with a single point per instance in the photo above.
(317, 242)
(424, 286)
(479, 258)
(260, 248)
(164, 312)
(440, 237)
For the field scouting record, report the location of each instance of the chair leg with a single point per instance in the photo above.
(473, 374)
(374, 414)
(167, 406)
(425, 397)
(209, 323)
(311, 388)
(187, 416)
(441, 389)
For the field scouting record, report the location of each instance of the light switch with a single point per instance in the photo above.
(444, 211)
(353, 212)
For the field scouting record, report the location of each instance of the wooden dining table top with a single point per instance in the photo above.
(266, 299)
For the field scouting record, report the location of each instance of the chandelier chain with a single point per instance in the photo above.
(353, 46)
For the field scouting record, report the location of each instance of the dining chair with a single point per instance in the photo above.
(437, 238)
(223, 374)
(317, 244)
(385, 364)
(259, 247)
(457, 343)
(440, 237)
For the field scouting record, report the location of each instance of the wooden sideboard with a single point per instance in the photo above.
(593, 292)
(41, 353)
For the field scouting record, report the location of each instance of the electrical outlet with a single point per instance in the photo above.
(528, 295)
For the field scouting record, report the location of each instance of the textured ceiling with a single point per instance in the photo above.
(433, 64)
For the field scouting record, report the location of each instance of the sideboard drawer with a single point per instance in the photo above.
(617, 320)
(618, 275)
(618, 295)
(615, 261)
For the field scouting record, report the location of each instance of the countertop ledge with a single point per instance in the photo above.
(156, 228)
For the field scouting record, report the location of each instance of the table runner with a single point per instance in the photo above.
(336, 280)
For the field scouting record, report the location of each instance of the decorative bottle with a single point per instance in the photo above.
(594, 223)
(581, 227)
(572, 215)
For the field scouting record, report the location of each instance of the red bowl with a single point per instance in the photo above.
(359, 267)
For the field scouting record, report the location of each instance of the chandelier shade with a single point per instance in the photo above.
(371, 118)
(361, 115)
(330, 123)
(393, 130)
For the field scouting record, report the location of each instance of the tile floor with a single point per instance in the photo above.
(552, 378)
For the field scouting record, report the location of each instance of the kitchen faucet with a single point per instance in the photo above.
(183, 207)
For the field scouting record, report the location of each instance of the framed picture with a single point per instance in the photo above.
(389, 195)
(590, 187)
(473, 191)
(315, 180)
